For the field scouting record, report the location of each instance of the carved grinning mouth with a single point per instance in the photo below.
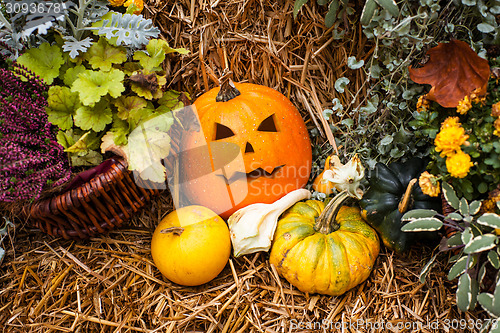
(257, 173)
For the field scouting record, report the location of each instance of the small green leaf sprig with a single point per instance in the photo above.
(475, 243)
(106, 95)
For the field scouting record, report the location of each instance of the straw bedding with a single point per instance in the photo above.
(110, 284)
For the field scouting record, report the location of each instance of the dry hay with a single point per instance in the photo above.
(261, 43)
(110, 283)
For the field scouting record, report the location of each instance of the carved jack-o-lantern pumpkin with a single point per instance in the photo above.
(253, 146)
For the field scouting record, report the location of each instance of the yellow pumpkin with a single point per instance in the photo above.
(328, 253)
(191, 245)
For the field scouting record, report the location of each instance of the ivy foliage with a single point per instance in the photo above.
(376, 125)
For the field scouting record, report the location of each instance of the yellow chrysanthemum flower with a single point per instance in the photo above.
(138, 3)
(497, 127)
(449, 140)
(429, 184)
(450, 122)
(495, 110)
(116, 3)
(423, 103)
(464, 105)
(476, 98)
(459, 164)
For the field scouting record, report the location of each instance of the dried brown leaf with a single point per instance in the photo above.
(454, 71)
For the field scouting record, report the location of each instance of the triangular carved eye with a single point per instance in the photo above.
(222, 132)
(268, 125)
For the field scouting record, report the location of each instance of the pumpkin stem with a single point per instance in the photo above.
(326, 221)
(227, 90)
(172, 230)
(405, 202)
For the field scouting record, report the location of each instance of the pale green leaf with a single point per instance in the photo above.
(353, 64)
(480, 244)
(474, 207)
(92, 85)
(102, 55)
(125, 105)
(486, 301)
(490, 220)
(62, 104)
(427, 268)
(455, 216)
(424, 224)
(450, 195)
(467, 292)
(44, 61)
(418, 214)
(485, 28)
(463, 206)
(459, 268)
(71, 74)
(467, 236)
(95, 118)
(148, 145)
(341, 83)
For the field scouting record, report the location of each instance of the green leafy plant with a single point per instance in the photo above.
(475, 243)
(380, 92)
(108, 96)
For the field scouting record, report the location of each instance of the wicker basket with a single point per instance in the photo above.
(103, 203)
(97, 206)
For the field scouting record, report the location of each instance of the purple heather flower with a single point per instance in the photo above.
(30, 157)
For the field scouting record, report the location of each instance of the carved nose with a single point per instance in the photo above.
(249, 148)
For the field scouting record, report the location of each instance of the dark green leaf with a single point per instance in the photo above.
(455, 240)
(458, 268)
(464, 207)
(494, 259)
(368, 12)
(331, 16)
(490, 220)
(390, 6)
(297, 6)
